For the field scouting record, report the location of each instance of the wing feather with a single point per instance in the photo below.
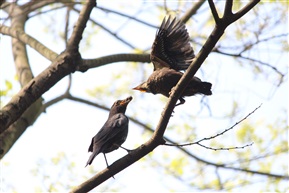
(171, 48)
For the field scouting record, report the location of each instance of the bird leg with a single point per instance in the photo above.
(128, 150)
(107, 163)
(105, 159)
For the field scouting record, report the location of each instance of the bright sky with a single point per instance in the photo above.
(69, 126)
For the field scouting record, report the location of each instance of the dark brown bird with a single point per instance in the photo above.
(113, 133)
(172, 52)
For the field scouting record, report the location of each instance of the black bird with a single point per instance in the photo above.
(113, 133)
(172, 52)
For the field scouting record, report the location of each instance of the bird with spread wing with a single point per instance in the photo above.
(171, 53)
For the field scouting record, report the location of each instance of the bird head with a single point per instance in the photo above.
(119, 106)
(143, 87)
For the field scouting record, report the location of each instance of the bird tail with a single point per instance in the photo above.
(205, 88)
(92, 156)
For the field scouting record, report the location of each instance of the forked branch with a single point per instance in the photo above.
(217, 135)
(157, 138)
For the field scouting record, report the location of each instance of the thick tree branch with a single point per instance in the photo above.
(80, 25)
(27, 39)
(10, 135)
(228, 8)
(85, 64)
(93, 63)
(63, 65)
(8, 138)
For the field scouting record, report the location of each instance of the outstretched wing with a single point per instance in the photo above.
(171, 48)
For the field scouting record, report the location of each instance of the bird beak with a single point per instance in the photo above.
(140, 88)
(126, 101)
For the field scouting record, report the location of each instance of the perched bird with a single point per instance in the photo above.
(172, 52)
(113, 133)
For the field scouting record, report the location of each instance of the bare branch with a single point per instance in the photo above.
(226, 130)
(8, 138)
(108, 31)
(34, 5)
(80, 25)
(240, 55)
(214, 11)
(61, 67)
(218, 134)
(27, 39)
(68, 10)
(192, 11)
(92, 63)
(228, 8)
(127, 16)
(245, 10)
(210, 148)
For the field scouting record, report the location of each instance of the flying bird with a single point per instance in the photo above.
(171, 53)
(113, 133)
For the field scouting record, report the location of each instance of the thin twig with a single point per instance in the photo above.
(218, 134)
(127, 16)
(214, 11)
(108, 31)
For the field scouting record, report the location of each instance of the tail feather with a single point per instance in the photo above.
(205, 88)
(92, 156)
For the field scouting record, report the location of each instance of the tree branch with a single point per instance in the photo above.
(214, 11)
(108, 31)
(61, 67)
(217, 135)
(8, 138)
(127, 16)
(228, 8)
(240, 55)
(93, 63)
(80, 25)
(245, 9)
(27, 39)
(192, 11)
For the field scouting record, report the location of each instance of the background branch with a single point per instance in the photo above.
(27, 39)
(62, 66)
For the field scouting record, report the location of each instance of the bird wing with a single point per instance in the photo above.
(171, 48)
(111, 128)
